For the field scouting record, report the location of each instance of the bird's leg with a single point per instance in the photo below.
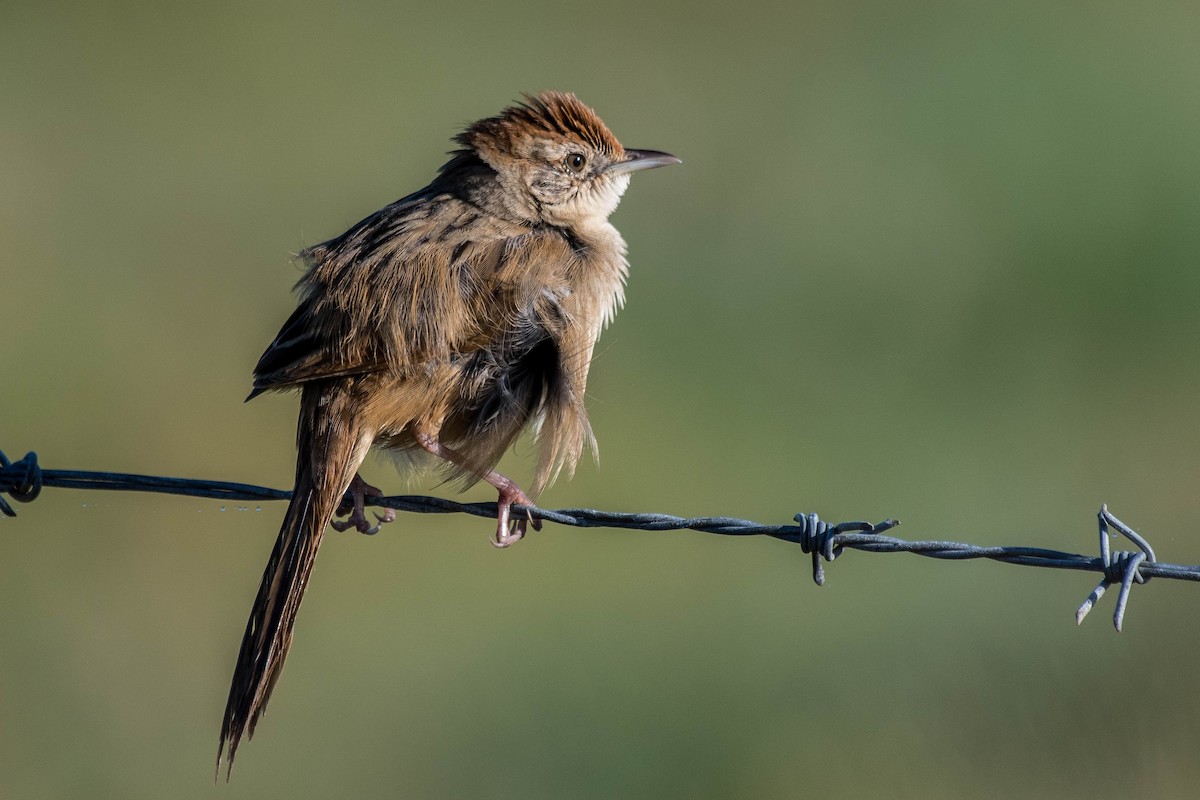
(360, 490)
(508, 530)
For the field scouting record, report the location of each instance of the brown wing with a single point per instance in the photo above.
(400, 288)
(298, 355)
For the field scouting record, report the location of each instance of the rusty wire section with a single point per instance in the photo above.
(23, 480)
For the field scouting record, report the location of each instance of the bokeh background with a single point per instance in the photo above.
(935, 261)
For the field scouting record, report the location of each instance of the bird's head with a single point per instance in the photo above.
(556, 161)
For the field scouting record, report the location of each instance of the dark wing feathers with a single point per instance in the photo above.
(412, 273)
(298, 355)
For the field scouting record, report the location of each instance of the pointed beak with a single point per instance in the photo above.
(637, 160)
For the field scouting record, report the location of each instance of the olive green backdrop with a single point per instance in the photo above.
(936, 262)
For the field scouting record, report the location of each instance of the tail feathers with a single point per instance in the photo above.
(330, 451)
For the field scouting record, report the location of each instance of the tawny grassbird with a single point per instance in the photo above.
(439, 328)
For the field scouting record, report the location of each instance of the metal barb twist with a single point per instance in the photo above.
(21, 480)
(1120, 567)
(820, 539)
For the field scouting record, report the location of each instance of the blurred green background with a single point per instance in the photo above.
(935, 261)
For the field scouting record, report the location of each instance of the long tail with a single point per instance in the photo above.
(331, 446)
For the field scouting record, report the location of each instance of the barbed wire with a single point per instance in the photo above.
(23, 481)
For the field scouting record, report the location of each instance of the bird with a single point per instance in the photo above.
(438, 329)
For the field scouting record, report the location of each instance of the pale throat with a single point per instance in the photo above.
(591, 206)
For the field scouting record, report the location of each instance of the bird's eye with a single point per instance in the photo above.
(576, 162)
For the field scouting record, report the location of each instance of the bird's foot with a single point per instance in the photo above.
(360, 490)
(509, 530)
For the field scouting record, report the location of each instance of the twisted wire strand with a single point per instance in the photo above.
(23, 480)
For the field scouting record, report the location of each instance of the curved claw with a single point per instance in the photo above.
(388, 516)
(359, 523)
(505, 538)
(508, 530)
(359, 490)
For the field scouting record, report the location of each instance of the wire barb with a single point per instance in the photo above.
(1121, 567)
(820, 539)
(24, 479)
(21, 480)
